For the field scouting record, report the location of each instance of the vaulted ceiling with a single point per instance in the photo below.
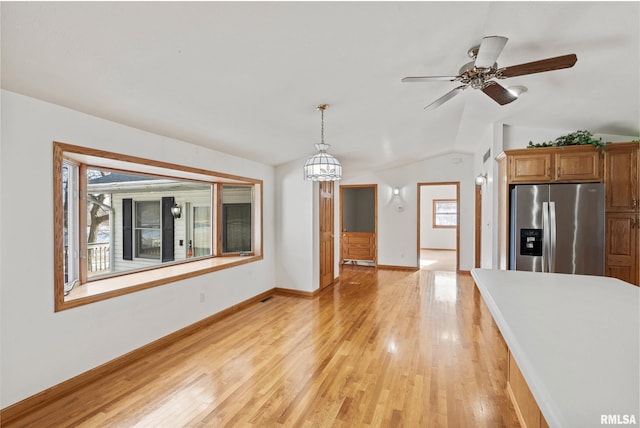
(245, 77)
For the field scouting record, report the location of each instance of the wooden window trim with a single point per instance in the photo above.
(433, 211)
(129, 282)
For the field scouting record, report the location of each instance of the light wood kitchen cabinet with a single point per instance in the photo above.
(621, 246)
(555, 164)
(529, 167)
(622, 190)
(621, 177)
(525, 405)
(584, 165)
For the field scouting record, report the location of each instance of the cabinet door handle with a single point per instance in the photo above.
(635, 203)
(558, 172)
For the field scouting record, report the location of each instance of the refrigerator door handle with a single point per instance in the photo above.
(552, 233)
(545, 237)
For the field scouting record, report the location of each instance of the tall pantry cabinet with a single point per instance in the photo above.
(621, 168)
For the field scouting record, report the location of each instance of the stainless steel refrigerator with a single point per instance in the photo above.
(558, 228)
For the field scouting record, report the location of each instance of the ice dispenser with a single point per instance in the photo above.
(530, 242)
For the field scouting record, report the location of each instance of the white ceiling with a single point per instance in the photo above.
(245, 77)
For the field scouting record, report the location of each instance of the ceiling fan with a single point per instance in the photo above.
(479, 73)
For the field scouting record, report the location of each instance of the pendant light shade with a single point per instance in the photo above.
(322, 166)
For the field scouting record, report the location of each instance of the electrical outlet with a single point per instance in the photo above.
(202, 298)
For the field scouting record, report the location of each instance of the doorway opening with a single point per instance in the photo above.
(359, 224)
(439, 226)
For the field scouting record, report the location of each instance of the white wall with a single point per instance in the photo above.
(490, 141)
(398, 228)
(518, 137)
(432, 237)
(41, 348)
(296, 259)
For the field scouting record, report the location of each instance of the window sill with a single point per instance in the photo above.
(107, 288)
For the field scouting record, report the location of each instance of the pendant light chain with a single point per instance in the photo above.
(322, 125)
(322, 108)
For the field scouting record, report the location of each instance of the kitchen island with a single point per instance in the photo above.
(574, 345)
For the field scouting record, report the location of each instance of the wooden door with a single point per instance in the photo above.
(358, 246)
(621, 246)
(478, 240)
(621, 178)
(326, 234)
(578, 165)
(530, 168)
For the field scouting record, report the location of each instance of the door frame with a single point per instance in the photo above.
(375, 217)
(440, 183)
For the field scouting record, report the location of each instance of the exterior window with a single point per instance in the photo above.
(237, 219)
(139, 215)
(201, 231)
(147, 230)
(445, 213)
(130, 225)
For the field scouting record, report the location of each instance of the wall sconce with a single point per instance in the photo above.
(397, 200)
(481, 179)
(176, 211)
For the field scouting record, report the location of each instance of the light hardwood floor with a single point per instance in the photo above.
(443, 260)
(381, 348)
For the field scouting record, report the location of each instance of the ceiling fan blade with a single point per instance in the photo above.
(489, 50)
(549, 64)
(499, 93)
(429, 79)
(446, 97)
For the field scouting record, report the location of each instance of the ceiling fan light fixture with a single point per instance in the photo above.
(322, 166)
(517, 90)
(481, 72)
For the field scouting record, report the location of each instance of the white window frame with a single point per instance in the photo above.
(435, 224)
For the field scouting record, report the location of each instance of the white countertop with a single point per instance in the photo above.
(575, 338)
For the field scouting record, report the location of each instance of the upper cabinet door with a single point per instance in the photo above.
(571, 164)
(530, 168)
(578, 166)
(621, 178)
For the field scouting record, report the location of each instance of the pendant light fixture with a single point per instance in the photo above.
(322, 166)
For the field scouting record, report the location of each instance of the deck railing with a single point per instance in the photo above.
(98, 258)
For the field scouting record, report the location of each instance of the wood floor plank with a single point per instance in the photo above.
(381, 348)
